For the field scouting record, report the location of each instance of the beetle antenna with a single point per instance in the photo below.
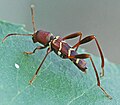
(33, 23)
(14, 34)
(33, 20)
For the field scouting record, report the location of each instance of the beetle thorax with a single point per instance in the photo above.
(42, 37)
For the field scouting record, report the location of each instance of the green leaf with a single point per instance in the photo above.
(59, 81)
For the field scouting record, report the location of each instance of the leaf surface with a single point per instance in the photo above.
(59, 81)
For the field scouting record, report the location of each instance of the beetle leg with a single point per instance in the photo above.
(87, 39)
(37, 48)
(73, 36)
(48, 51)
(84, 56)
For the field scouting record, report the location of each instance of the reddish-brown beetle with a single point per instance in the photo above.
(61, 48)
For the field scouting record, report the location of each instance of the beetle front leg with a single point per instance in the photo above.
(48, 51)
(84, 56)
(37, 48)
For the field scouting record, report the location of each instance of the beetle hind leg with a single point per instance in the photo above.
(84, 56)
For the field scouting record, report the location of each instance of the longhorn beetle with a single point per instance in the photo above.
(63, 49)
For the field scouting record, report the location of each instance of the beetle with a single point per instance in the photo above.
(63, 49)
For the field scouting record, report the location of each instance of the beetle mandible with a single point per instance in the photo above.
(63, 49)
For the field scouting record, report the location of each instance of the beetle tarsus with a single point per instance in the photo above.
(107, 95)
(28, 52)
(31, 81)
(102, 73)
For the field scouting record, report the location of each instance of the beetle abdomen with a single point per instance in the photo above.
(80, 63)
